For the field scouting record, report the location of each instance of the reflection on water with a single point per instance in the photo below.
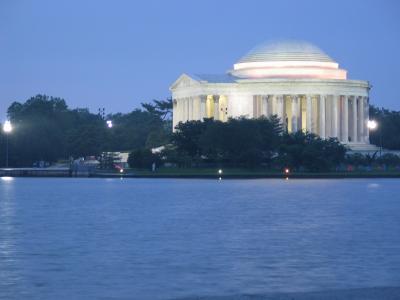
(6, 178)
(160, 239)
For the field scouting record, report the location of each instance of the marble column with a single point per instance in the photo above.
(322, 116)
(270, 101)
(186, 117)
(182, 110)
(274, 105)
(345, 120)
(354, 120)
(203, 112)
(264, 106)
(295, 113)
(190, 113)
(216, 107)
(309, 114)
(174, 114)
(366, 118)
(279, 108)
(190, 108)
(360, 118)
(178, 110)
(335, 116)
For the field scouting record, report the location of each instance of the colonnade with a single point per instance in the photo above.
(200, 107)
(342, 116)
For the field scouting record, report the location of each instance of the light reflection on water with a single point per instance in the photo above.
(159, 239)
(7, 178)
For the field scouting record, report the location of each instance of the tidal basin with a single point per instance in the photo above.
(67, 238)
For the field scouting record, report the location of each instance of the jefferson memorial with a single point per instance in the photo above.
(294, 80)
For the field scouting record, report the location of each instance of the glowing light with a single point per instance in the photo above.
(372, 124)
(219, 171)
(287, 171)
(121, 170)
(109, 124)
(7, 178)
(291, 72)
(282, 64)
(7, 127)
(220, 178)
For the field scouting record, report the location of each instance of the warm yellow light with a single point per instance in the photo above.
(210, 106)
(7, 127)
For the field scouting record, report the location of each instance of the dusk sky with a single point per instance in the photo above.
(117, 54)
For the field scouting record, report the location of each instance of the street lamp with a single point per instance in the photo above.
(372, 125)
(7, 128)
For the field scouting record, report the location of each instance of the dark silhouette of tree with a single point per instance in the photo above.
(46, 129)
(388, 128)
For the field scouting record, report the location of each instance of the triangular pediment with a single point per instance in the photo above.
(184, 81)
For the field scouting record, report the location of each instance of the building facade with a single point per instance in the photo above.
(296, 81)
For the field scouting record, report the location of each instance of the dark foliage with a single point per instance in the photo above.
(388, 130)
(251, 143)
(45, 129)
(143, 158)
(310, 152)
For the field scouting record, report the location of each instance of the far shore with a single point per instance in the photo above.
(201, 173)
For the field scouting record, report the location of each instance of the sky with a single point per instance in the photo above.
(117, 54)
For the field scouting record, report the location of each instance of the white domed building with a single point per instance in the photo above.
(294, 80)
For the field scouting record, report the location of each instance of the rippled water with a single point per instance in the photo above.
(162, 239)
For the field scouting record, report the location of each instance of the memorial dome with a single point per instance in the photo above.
(287, 59)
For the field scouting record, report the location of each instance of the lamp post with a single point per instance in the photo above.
(7, 128)
(372, 125)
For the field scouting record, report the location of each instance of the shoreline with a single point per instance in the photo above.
(195, 174)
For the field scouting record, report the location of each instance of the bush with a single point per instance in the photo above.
(389, 159)
(309, 151)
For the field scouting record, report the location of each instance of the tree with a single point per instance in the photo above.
(143, 158)
(388, 128)
(187, 137)
(310, 152)
(247, 142)
(46, 129)
(39, 126)
(389, 159)
(159, 108)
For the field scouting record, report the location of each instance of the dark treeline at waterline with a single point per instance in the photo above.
(254, 143)
(46, 129)
(250, 143)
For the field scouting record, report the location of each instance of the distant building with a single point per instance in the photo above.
(294, 80)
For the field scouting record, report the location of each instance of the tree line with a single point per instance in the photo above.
(46, 129)
(245, 143)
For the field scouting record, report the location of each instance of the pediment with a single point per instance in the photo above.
(184, 81)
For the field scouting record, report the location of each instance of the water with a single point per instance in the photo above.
(163, 239)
